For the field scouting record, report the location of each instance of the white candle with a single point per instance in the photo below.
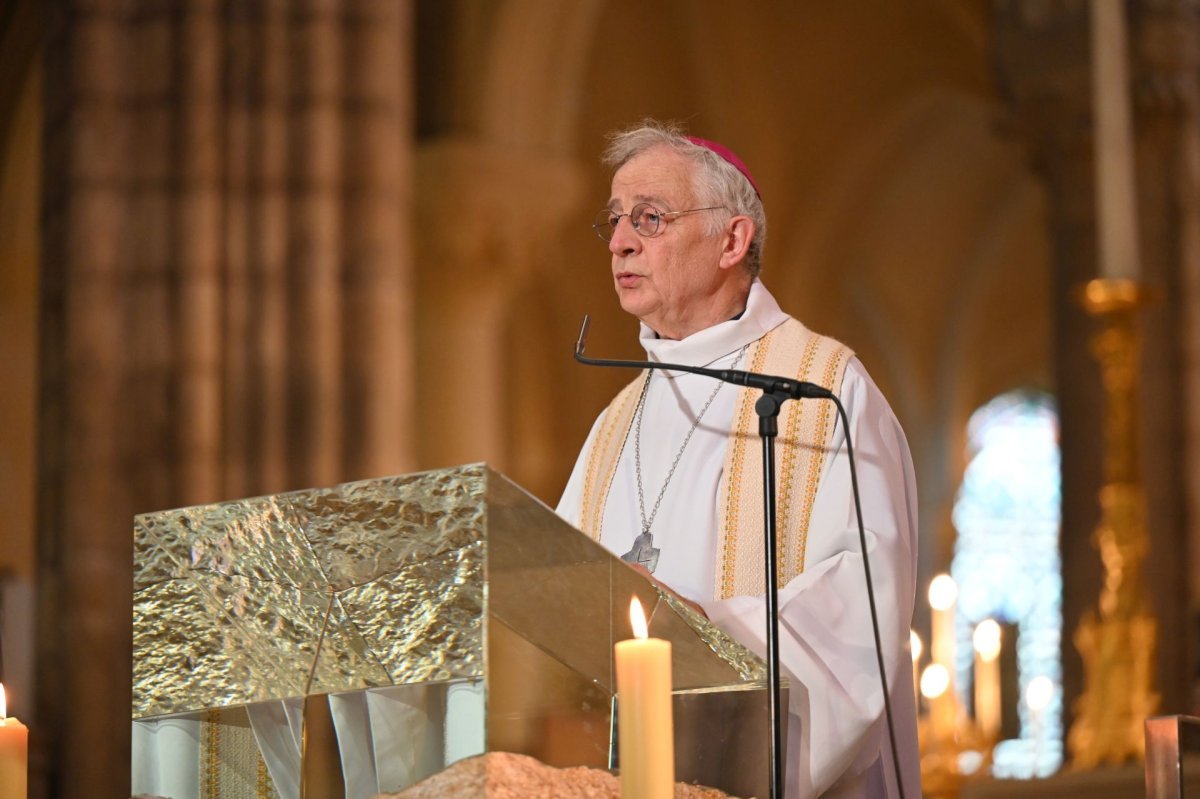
(987, 678)
(1038, 694)
(935, 687)
(1116, 194)
(646, 735)
(943, 593)
(14, 753)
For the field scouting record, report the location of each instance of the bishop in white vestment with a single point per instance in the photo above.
(676, 461)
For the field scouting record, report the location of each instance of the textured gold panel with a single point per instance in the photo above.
(693, 636)
(361, 585)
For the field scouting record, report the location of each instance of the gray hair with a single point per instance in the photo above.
(714, 180)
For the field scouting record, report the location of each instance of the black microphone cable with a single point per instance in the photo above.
(862, 545)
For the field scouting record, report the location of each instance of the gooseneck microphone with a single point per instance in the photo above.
(791, 389)
(776, 390)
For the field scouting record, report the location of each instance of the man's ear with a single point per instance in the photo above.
(739, 232)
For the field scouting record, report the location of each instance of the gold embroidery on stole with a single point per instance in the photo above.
(231, 766)
(806, 427)
(731, 481)
(605, 455)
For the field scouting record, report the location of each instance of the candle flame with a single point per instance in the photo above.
(987, 639)
(3, 702)
(1038, 693)
(637, 618)
(943, 592)
(934, 681)
(914, 643)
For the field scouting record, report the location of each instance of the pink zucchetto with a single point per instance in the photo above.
(728, 155)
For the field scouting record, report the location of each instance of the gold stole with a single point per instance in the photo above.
(805, 429)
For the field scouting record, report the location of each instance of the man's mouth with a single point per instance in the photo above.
(627, 279)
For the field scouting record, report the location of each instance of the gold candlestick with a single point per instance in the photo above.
(1117, 640)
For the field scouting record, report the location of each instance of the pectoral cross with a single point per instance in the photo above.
(644, 552)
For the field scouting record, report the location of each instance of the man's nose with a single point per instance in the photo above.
(625, 240)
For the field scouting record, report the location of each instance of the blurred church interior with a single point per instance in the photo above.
(260, 245)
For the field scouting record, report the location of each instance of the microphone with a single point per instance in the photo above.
(792, 389)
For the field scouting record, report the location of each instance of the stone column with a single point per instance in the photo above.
(226, 302)
(1167, 103)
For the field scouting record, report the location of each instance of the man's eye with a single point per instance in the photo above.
(614, 220)
(649, 219)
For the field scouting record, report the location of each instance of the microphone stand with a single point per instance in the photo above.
(768, 407)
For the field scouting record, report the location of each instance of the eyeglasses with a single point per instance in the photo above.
(645, 218)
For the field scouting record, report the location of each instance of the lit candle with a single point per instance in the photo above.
(1038, 694)
(1116, 196)
(943, 593)
(935, 687)
(646, 735)
(915, 645)
(14, 753)
(987, 679)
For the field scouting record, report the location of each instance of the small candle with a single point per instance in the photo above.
(14, 753)
(646, 735)
(935, 687)
(943, 593)
(1038, 694)
(987, 678)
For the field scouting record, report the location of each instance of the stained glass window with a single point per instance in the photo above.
(1007, 566)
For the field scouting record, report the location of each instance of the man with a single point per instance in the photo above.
(671, 477)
